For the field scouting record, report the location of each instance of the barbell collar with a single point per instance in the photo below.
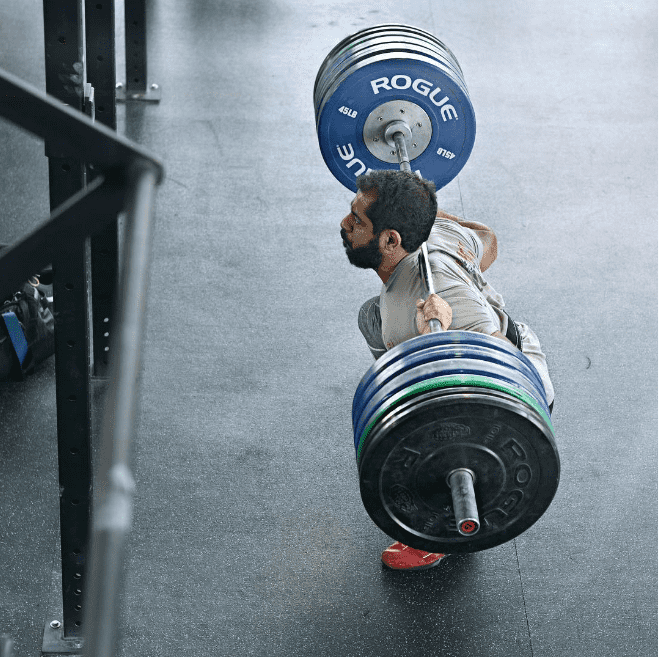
(397, 126)
(461, 483)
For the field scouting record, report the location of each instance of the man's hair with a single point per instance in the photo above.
(404, 202)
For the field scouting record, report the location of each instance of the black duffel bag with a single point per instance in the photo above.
(27, 329)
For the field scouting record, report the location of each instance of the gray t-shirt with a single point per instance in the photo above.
(455, 253)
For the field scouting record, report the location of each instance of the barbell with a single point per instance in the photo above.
(453, 437)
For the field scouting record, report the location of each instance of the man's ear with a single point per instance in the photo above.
(390, 240)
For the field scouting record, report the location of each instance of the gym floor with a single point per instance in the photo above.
(249, 535)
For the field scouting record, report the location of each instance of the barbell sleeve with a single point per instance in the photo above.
(461, 482)
(401, 151)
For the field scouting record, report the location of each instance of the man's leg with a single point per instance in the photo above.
(397, 556)
(370, 324)
(532, 349)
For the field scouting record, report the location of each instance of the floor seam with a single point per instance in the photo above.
(521, 586)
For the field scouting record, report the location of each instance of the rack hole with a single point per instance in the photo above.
(75, 451)
(77, 575)
(106, 320)
(99, 58)
(69, 286)
(70, 344)
(76, 553)
(99, 6)
(72, 398)
(78, 623)
(66, 167)
(62, 40)
(75, 502)
(78, 607)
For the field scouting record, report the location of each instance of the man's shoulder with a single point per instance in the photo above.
(450, 235)
(449, 226)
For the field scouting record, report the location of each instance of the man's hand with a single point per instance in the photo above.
(434, 307)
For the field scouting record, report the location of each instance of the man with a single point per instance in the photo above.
(392, 214)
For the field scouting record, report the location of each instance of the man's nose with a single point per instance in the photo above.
(345, 223)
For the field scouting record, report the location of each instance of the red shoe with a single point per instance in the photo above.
(402, 557)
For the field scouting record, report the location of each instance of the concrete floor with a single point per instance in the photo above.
(249, 536)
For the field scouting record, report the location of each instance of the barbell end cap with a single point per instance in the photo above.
(469, 526)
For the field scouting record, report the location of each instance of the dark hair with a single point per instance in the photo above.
(404, 202)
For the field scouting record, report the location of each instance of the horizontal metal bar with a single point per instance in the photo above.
(78, 216)
(112, 511)
(70, 132)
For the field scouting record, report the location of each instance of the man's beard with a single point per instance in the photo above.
(364, 257)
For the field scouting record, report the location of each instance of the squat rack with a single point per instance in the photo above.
(99, 287)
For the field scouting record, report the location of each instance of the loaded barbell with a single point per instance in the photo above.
(453, 438)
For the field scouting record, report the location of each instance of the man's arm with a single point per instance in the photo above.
(437, 308)
(486, 235)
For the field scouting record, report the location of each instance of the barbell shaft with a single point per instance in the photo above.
(435, 324)
(404, 162)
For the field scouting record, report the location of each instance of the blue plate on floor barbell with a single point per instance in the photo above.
(404, 77)
(460, 384)
(447, 369)
(378, 376)
(430, 355)
(437, 339)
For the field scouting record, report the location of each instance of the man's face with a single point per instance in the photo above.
(362, 247)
